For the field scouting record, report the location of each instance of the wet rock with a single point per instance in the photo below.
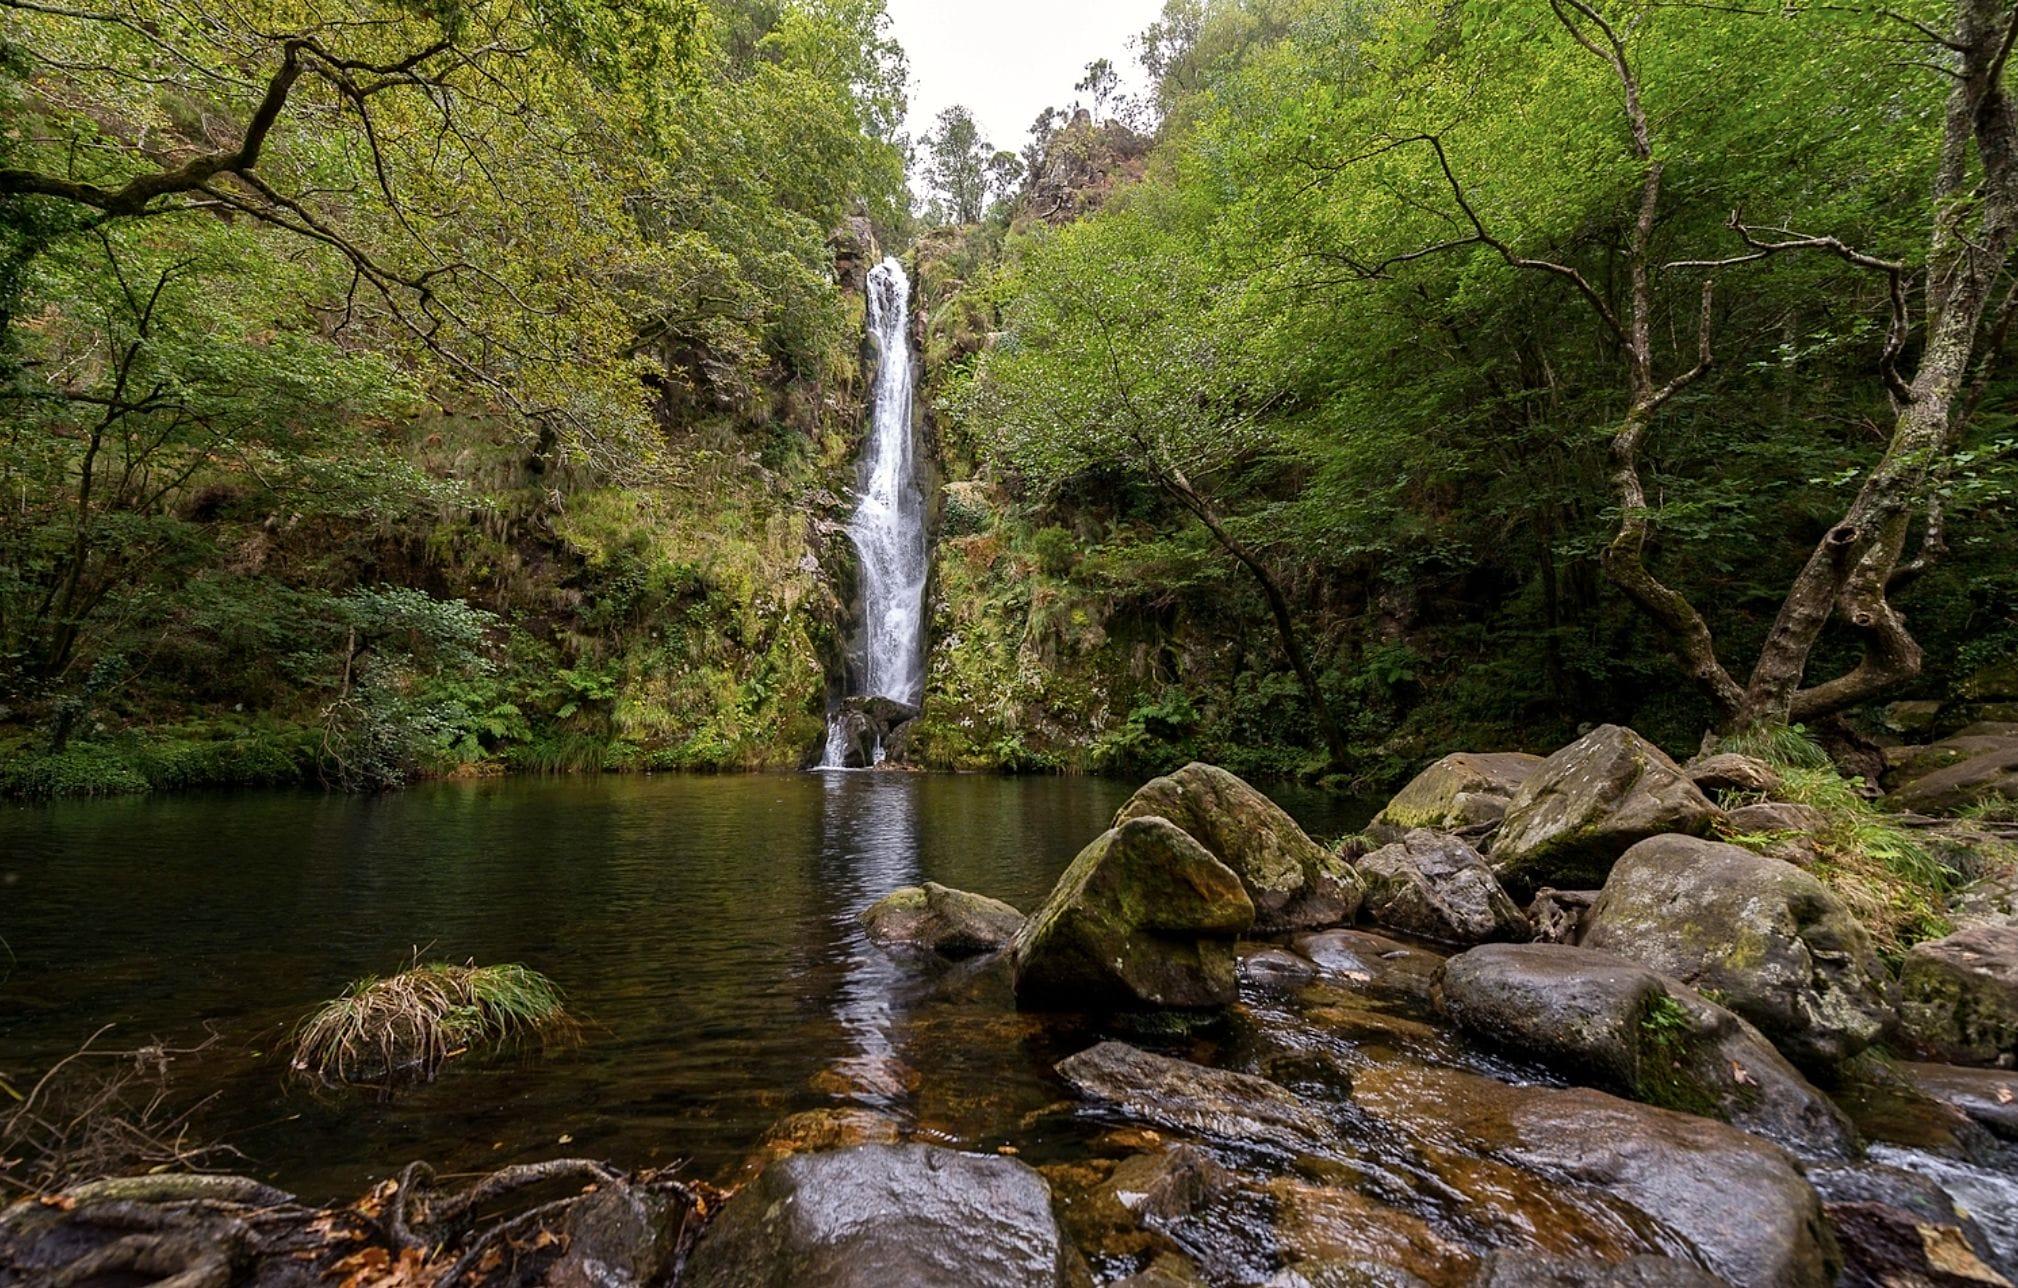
(1295, 883)
(1464, 792)
(1756, 934)
(1435, 885)
(1167, 1270)
(1166, 1186)
(1740, 1203)
(1333, 1272)
(1729, 772)
(1590, 802)
(1958, 997)
(1532, 1270)
(1331, 1234)
(1189, 1097)
(1601, 1018)
(1896, 1227)
(1144, 917)
(618, 1236)
(1272, 967)
(879, 1215)
(1988, 1097)
(936, 919)
(1372, 963)
(867, 727)
(1559, 916)
(819, 1129)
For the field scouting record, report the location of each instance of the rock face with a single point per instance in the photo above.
(1739, 1202)
(1191, 1097)
(934, 918)
(866, 724)
(1144, 917)
(1602, 1018)
(1729, 772)
(878, 1215)
(1295, 883)
(1765, 938)
(1463, 792)
(1958, 997)
(1435, 885)
(1588, 804)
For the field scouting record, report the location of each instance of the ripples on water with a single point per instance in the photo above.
(703, 927)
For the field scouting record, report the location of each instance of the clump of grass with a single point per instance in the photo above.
(404, 1027)
(1892, 880)
(1991, 809)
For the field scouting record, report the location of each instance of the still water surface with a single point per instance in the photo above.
(704, 928)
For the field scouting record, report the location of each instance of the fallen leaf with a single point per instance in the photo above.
(2004, 1096)
(1742, 1076)
(567, 1139)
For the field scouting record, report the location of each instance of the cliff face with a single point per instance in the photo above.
(1084, 164)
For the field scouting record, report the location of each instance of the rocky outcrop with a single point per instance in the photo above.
(936, 919)
(1183, 1096)
(1728, 773)
(1601, 1018)
(1589, 803)
(1295, 883)
(1738, 1202)
(1464, 792)
(870, 729)
(1435, 885)
(1144, 917)
(1958, 997)
(1760, 935)
(878, 1215)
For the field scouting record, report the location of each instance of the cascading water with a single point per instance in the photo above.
(888, 527)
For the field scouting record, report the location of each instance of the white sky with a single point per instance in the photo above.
(1008, 60)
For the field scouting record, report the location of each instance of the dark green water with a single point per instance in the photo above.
(704, 928)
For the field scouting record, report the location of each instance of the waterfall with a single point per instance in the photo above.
(888, 527)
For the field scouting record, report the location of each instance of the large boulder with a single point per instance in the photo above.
(865, 730)
(878, 1215)
(1295, 883)
(1728, 773)
(1762, 936)
(1464, 792)
(1435, 885)
(1739, 1203)
(937, 919)
(1590, 803)
(1601, 1018)
(1958, 997)
(1187, 1097)
(1144, 917)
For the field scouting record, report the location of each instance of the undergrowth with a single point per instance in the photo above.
(404, 1027)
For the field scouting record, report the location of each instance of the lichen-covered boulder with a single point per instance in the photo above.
(1435, 885)
(1738, 1204)
(1958, 997)
(1144, 917)
(877, 1215)
(1463, 792)
(1600, 1018)
(1295, 883)
(1729, 772)
(937, 919)
(1591, 802)
(1760, 935)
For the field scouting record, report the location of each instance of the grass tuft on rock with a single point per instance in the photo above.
(404, 1027)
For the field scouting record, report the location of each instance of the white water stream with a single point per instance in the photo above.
(888, 527)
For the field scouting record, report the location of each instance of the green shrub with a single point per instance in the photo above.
(1055, 551)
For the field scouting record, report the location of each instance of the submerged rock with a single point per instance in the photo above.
(1600, 1017)
(1372, 963)
(1897, 1227)
(1958, 997)
(1532, 1270)
(1758, 934)
(1336, 1235)
(1295, 883)
(1463, 792)
(1144, 917)
(1435, 885)
(1988, 1097)
(1591, 802)
(879, 1215)
(1183, 1096)
(1738, 1202)
(938, 919)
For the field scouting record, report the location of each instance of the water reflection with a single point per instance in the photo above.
(868, 847)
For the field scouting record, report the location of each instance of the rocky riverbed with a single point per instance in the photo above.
(1547, 1022)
